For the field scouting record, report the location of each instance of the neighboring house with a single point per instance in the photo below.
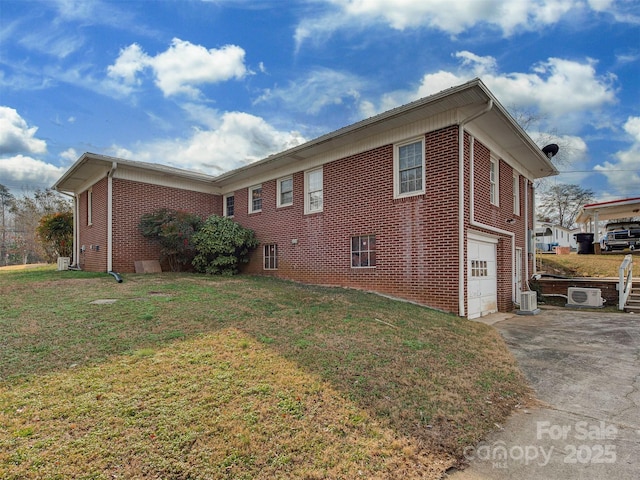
(549, 236)
(431, 202)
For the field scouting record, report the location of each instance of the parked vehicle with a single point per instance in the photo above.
(618, 238)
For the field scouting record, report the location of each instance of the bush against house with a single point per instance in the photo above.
(174, 231)
(222, 245)
(55, 232)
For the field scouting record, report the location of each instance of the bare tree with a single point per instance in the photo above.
(561, 203)
(6, 202)
(27, 212)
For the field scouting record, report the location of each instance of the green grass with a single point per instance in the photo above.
(189, 376)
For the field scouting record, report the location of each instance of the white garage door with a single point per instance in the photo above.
(482, 282)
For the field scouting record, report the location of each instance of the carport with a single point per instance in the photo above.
(593, 213)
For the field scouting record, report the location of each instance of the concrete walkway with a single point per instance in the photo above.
(585, 369)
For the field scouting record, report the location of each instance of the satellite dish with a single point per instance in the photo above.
(550, 150)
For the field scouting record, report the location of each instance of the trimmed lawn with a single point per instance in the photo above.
(187, 376)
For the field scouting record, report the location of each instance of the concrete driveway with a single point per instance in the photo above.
(585, 369)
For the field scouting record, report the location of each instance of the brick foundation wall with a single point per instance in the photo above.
(560, 286)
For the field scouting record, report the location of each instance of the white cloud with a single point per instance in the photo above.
(16, 136)
(129, 63)
(70, 154)
(453, 17)
(237, 139)
(566, 91)
(624, 173)
(322, 87)
(29, 172)
(181, 68)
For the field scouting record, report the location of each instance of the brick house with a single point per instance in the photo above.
(430, 202)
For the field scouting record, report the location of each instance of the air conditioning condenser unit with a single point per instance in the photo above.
(528, 303)
(584, 297)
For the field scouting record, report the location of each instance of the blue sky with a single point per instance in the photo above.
(213, 85)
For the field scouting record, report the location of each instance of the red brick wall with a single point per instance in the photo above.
(94, 236)
(417, 240)
(417, 237)
(497, 216)
(134, 199)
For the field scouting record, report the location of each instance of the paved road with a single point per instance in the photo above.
(585, 369)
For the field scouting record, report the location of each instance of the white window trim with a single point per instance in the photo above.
(279, 192)
(396, 168)
(250, 198)
(495, 184)
(90, 207)
(224, 205)
(516, 193)
(307, 200)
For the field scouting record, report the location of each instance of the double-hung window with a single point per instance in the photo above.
(516, 193)
(89, 207)
(255, 199)
(494, 193)
(285, 191)
(270, 256)
(363, 251)
(229, 203)
(409, 168)
(313, 191)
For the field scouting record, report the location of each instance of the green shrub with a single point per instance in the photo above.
(221, 246)
(174, 230)
(56, 234)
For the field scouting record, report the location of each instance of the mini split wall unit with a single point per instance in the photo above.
(430, 202)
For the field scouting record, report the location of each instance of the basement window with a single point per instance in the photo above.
(363, 251)
(271, 256)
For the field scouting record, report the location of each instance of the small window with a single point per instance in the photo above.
(90, 207)
(409, 168)
(479, 268)
(516, 194)
(285, 191)
(255, 199)
(363, 251)
(313, 185)
(229, 202)
(271, 257)
(493, 182)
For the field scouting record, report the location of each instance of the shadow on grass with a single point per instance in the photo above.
(437, 378)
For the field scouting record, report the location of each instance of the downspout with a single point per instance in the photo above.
(114, 165)
(527, 233)
(533, 228)
(461, 231)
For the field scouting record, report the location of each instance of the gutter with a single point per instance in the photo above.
(461, 231)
